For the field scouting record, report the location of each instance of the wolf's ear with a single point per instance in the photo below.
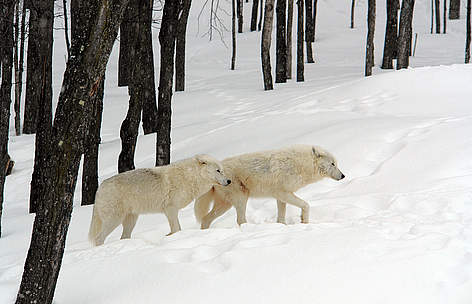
(201, 159)
(316, 154)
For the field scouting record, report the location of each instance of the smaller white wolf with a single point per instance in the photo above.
(121, 198)
(275, 173)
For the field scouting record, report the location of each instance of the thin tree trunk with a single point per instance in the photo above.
(404, 35)
(167, 36)
(45, 12)
(390, 44)
(315, 9)
(438, 16)
(454, 9)
(468, 38)
(239, 6)
(300, 63)
(261, 16)
(124, 59)
(281, 43)
(66, 27)
(432, 16)
(353, 6)
(369, 53)
(180, 47)
(233, 33)
(17, 68)
(255, 6)
(309, 32)
(444, 16)
(289, 38)
(81, 80)
(265, 44)
(7, 12)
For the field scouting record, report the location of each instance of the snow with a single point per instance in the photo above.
(397, 229)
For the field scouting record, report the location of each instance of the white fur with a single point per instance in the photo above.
(275, 173)
(121, 198)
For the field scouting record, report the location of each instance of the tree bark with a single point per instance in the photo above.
(369, 53)
(353, 5)
(66, 27)
(300, 63)
(468, 38)
(7, 12)
(239, 7)
(255, 6)
(43, 46)
(17, 68)
(124, 59)
(265, 44)
(444, 16)
(81, 80)
(261, 16)
(281, 43)
(315, 9)
(404, 36)
(289, 38)
(233, 33)
(180, 46)
(309, 33)
(390, 45)
(167, 36)
(454, 9)
(438, 16)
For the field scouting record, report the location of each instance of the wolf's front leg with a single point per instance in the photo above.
(292, 199)
(172, 214)
(281, 210)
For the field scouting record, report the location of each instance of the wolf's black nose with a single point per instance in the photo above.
(228, 181)
(342, 176)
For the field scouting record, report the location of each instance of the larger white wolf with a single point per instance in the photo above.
(121, 198)
(276, 173)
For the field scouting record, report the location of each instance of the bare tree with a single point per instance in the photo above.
(369, 53)
(468, 38)
(289, 38)
(180, 46)
(265, 44)
(438, 16)
(454, 9)
(390, 45)
(315, 9)
(66, 27)
(353, 5)
(444, 16)
(233, 33)
(300, 63)
(261, 16)
(239, 9)
(404, 35)
(281, 42)
(309, 31)
(255, 6)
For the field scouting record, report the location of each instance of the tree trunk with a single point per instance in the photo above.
(255, 6)
(180, 47)
(66, 27)
(468, 38)
(315, 9)
(309, 32)
(17, 68)
(300, 63)
(167, 35)
(404, 35)
(43, 125)
(444, 16)
(281, 43)
(7, 12)
(289, 38)
(353, 5)
(124, 59)
(261, 16)
(240, 15)
(265, 44)
(438, 16)
(454, 9)
(390, 44)
(233, 33)
(369, 53)
(81, 81)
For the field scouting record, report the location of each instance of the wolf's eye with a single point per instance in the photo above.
(218, 171)
(332, 164)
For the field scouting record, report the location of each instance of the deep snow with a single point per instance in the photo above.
(398, 229)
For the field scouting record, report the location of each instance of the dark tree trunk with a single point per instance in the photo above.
(261, 16)
(255, 6)
(233, 33)
(390, 45)
(7, 11)
(265, 44)
(315, 9)
(468, 38)
(92, 143)
(180, 46)
(43, 45)
(16, 68)
(353, 6)
(300, 63)
(404, 34)
(82, 78)
(369, 53)
(281, 43)
(454, 9)
(66, 27)
(438, 16)
(239, 6)
(444, 16)
(289, 38)
(124, 59)
(309, 33)
(432, 16)
(167, 36)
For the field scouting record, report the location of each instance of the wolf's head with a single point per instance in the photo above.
(212, 170)
(326, 165)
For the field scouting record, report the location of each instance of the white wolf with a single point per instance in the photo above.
(276, 173)
(121, 198)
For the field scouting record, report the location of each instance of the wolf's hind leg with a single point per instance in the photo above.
(107, 227)
(281, 210)
(219, 208)
(172, 214)
(128, 225)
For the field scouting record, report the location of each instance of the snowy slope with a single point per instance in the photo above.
(398, 229)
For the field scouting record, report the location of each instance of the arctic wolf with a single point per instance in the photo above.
(121, 198)
(276, 173)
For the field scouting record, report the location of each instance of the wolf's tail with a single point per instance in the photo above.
(202, 204)
(95, 227)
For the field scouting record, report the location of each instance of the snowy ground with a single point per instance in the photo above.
(398, 229)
